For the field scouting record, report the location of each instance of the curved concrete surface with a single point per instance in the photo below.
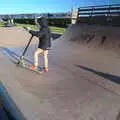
(82, 83)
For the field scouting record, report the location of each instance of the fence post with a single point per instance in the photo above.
(109, 17)
(74, 15)
(12, 21)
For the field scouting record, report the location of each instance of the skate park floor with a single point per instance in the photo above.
(82, 83)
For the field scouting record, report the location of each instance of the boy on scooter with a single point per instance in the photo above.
(44, 36)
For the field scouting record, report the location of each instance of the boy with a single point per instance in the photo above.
(44, 36)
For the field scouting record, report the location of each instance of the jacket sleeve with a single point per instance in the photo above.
(37, 33)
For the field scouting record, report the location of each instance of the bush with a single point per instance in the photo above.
(25, 21)
(59, 22)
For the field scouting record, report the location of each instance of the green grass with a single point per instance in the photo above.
(57, 29)
(27, 25)
(53, 29)
(1, 24)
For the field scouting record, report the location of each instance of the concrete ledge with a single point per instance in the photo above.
(9, 105)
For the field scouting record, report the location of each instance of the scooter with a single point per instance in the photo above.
(21, 61)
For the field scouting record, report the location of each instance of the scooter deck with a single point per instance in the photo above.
(38, 71)
(15, 58)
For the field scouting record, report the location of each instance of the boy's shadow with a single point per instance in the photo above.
(110, 77)
(55, 36)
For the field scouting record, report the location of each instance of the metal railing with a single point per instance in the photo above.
(109, 10)
(103, 14)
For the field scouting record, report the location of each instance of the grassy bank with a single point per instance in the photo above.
(1, 24)
(57, 29)
(53, 29)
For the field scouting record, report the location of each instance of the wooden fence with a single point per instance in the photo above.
(103, 14)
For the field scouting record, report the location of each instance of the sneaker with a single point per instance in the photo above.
(45, 69)
(33, 67)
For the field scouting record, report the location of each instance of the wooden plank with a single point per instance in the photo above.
(112, 5)
(99, 13)
(99, 9)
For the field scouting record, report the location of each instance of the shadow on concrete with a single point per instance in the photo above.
(55, 35)
(13, 54)
(110, 77)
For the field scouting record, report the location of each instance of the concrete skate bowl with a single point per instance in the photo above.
(93, 36)
(77, 71)
(14, 40)
(14, 37)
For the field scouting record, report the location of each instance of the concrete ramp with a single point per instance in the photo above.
(82, 83)
(96, 36)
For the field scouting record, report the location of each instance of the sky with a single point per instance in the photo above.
(46, 6)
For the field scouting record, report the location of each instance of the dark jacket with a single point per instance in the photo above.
(43, 34)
